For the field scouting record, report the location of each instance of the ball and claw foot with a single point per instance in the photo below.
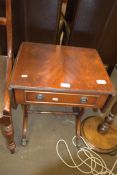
(24, 142)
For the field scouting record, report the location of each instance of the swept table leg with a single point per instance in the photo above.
(25, 125)
(80, 112)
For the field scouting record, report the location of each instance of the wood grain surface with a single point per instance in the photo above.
(104, 142)
(44, 66)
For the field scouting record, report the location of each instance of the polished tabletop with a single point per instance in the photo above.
(67, 68)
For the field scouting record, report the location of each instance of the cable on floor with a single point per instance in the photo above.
(93, 162)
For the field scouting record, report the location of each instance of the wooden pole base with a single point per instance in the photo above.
(103, 143)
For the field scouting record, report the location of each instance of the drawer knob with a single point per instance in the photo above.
(40, 97)
(83, 100)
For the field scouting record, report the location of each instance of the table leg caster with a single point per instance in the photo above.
(78, 142)
(24, 142)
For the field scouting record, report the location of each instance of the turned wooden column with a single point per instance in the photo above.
(7, 130)
(105, 125)
(6, 120)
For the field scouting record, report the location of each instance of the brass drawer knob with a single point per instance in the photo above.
(40, 97)
(83, 100)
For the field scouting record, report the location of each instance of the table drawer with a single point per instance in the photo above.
(60, 98)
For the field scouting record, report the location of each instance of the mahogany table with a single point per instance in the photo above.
(59, 75)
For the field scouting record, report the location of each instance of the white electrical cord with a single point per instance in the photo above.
(95, 161)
